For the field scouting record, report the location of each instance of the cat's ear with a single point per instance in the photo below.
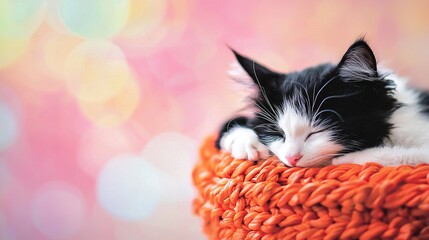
(358, 62)
(260, 74)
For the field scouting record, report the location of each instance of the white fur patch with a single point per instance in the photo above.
(243, 143)
(387, 156)
(409, 124)
(314, 150)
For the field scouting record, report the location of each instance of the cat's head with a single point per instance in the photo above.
(308, 117)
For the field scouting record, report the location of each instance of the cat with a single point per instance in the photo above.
(351, 112)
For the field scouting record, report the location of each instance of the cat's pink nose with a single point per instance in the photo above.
(294, 159)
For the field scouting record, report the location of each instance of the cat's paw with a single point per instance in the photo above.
(356, 158)
(243, 143)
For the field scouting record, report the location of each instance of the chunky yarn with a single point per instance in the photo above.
(240, 199)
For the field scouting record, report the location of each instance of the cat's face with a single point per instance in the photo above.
(306, 118)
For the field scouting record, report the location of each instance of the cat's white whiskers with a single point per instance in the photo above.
(320, 90)
(264, 113)
(332, 97)
(228, 125)
(328, 110)
(306, 93)
(266, 117)
(314, 99)
(266, 125)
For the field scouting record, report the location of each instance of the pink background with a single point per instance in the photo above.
(103, 103)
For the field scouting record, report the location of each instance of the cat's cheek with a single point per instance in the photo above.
(276, 147)
(319, 149)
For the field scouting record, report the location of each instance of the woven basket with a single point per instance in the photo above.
(240, 199)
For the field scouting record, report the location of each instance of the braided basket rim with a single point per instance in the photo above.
(240, 199)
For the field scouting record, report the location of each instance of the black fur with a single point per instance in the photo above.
(424, 101)
(357, 107)
(238, 121)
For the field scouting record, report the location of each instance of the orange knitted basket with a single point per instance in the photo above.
(239, 199)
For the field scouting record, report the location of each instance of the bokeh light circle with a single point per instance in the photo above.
(128, 187)
(171, 147)
(55, 47)
(98, 75)
(153, 25)
(11, 50)
(95, 18)
(99, 145)
(20, 18)
(114, 111)
(174, 154)
(8, 127)
(145, 16)
(96, 71)
(58, 210)
(171, 109)
(129, 230)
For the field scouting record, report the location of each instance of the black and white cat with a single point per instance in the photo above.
(345, 113)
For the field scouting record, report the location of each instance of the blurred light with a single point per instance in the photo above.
(58, 210)
(20, 18)
(11, 50)
(275, 61)
(53, 17)
(154, 24)
(5, 231)
(174, 154)
(8, 127)
(98, 75)
(98, 145)
(128, 187)
(114, 111)
(145, 16)
(96, 71)
(173, 220)
(412, 19)
(55, 48)
(171, 109)
(177, 18)
(130, 231)
(95, 18)
(5, 178)
(99, 225)
(32, 71)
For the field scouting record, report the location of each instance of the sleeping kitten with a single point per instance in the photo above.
(345, 113)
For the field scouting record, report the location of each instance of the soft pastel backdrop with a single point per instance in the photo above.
(103, 103)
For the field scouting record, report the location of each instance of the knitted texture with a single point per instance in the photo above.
(239, 199)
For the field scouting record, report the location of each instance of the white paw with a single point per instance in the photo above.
(346, 159)
(243, 143)
(356, 158)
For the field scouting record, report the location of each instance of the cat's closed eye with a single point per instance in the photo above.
(313, 133)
